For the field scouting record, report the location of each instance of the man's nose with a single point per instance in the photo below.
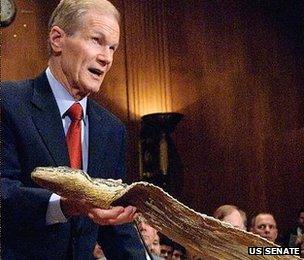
(267, 229)
(105, 56)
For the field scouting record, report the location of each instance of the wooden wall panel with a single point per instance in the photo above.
(24, 43)
(146, 57)
(235, 75)
(147, 71)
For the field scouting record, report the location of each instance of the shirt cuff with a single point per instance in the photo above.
(54, 213)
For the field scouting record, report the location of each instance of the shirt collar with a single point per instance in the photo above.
(63, 98)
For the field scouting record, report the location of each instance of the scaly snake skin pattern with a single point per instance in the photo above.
(203, 235)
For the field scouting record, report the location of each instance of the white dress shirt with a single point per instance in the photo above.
(64, 101)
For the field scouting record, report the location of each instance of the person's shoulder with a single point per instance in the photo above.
(293, 230)
(23, 90)
(14, 90)
(103, 113)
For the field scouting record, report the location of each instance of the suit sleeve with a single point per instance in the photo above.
(23, 205)
(121, 162)
(121, 242)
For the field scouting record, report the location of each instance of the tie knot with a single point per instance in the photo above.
(75, 112)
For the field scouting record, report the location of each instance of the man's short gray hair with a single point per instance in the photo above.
(68, 13)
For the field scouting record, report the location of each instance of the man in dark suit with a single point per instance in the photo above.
(37, 120)
(295, 236)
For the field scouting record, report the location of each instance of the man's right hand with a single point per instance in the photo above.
(114, 216)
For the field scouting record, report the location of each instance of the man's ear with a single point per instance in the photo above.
(56, 39)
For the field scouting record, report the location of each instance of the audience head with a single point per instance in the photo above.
(244, 217)
(166, 247)
(147, 232)
(155, 246)
(149, 235)
(231, 214)
(179, 252)
(265, 225)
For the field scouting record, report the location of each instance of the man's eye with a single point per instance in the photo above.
(95, 39)
(113, 48)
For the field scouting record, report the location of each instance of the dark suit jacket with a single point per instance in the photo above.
(33, 135)
(289, 238)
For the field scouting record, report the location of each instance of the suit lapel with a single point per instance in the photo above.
(47, 119)
(97, 141)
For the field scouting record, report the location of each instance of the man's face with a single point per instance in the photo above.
(155, 246)
(166, 251)
(235, 219)
(87, 55)
(301, 220)
(266, 227)
(147, 232)
(177, 255)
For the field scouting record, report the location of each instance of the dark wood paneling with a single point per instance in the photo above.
(24, 43)
(236, 75)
